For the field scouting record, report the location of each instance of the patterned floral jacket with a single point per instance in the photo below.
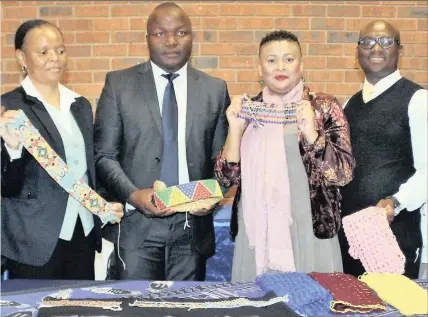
(328, 163)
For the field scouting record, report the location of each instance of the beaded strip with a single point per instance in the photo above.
(223, 290)
(234, 303)
(110, 305)
(50, 161)
(261, 113)
(111, 291)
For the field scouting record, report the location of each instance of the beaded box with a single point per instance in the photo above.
(187, 197)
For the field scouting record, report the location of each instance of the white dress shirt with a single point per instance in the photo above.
(413, 193)
(63, 120)
(180, 88)
(62, 116)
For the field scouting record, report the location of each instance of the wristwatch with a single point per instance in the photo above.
(396, 204)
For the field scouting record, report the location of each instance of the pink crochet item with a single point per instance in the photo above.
(371, 240)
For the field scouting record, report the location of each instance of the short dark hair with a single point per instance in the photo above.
(280, 35)
(27, 26)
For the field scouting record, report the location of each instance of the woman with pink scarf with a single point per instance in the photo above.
(288, 171)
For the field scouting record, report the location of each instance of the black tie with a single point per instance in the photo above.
(169, 168)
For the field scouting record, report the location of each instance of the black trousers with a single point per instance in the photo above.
(168, 253)
(70, 260)
(406, 228)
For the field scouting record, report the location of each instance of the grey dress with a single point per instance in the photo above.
(310, 253)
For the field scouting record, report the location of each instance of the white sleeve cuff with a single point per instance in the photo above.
(129, 207)
(14, 154)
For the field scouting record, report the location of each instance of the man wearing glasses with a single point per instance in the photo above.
(388, 126)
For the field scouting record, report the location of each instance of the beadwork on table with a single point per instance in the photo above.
(112, 291)
(233, 303)
(104, 304)
(268, 305)
(222, 290)
(54, 165)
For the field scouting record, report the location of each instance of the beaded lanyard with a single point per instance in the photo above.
(39, 148)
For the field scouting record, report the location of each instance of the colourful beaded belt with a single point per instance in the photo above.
(50, 161)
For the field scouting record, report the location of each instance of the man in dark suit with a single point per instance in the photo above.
(152, 124)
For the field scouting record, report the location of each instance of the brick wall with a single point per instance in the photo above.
(107, 35)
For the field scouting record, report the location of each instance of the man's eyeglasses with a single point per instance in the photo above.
(368, 43)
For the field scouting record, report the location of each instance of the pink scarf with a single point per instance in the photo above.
(266, 190)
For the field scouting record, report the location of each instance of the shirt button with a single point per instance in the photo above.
(157, 159)
(29, 194)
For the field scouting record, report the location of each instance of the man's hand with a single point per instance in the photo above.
(142, 200)
(204, 211)
(388, 205)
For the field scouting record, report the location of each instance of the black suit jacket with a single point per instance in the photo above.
(33, 205)
(128, 143)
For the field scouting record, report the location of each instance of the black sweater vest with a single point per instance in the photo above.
(381, 144)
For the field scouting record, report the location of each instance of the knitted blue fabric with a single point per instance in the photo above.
(305, 296)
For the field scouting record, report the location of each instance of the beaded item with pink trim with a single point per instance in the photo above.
(261, 113)
(371, 240)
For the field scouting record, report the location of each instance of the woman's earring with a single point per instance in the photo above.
(262, 81)
(303, 79)
(24, 69)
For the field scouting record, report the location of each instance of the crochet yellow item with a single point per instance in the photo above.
(399, 291)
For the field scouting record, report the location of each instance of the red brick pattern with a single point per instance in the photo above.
(109, 35)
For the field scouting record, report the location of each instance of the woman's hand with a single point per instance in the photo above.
(306, 121)
(118, 212)
(236, 125)
(10, 137)
(231, 150)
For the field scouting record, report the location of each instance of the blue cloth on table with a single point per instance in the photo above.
(305, 295)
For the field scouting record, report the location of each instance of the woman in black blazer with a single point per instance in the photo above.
(45, 233)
